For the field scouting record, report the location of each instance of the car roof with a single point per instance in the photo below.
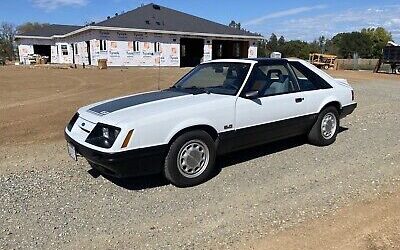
(256, 60)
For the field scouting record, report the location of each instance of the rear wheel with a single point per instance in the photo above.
(326, 127)
(190, 159)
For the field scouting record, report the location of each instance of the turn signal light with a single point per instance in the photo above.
(127, 139)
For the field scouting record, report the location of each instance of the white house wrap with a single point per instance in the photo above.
(147, 36)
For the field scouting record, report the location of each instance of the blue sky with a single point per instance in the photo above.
(301, 19)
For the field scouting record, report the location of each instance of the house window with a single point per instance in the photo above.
(136, 45)
(156, 47)
(183, 50)
(237, 49)
(219, 50)
(64, 50)
(103, 45)
(76, 48)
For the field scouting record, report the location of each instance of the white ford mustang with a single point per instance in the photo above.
(219, 107)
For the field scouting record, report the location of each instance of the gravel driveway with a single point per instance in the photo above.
(48, 201)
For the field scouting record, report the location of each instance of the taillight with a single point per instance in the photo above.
(352, 95)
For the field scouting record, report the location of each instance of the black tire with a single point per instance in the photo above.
(175, 174)
(315, 136)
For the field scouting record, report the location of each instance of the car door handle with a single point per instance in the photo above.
(298, 100)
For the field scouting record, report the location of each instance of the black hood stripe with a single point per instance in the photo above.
(130, 101)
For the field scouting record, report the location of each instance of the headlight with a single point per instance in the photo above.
(103, 135)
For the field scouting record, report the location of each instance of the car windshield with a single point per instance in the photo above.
(219, 78)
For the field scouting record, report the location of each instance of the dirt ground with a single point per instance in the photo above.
(373, 224)
(36, 104)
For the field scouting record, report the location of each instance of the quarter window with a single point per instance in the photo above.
(307, 79)
(271, 80)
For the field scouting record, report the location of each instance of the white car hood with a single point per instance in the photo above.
(140, 106)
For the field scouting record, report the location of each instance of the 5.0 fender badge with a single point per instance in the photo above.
(228, 126)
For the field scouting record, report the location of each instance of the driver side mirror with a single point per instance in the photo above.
(252, 94)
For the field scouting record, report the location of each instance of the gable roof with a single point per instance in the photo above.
(50, 30)
(156, 17)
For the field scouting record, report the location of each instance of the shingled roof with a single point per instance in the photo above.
(156, 17)
(51, 30)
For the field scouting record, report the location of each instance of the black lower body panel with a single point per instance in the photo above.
(264, 133)
(347, 110)
(137, 162)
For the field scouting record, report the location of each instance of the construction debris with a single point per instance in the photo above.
(322, 60)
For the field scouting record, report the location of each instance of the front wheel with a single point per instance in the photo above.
(325, 129)
(190, 159)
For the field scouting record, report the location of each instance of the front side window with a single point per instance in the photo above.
(307, 79)
(271, 80)
(218, 78)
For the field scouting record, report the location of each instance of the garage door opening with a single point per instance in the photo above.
(43, 50)
(225, 49)
(192, 50)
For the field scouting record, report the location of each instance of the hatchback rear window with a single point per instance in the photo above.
(307, 79)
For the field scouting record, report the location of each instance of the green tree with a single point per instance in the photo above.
(379, 37)
(272, 44)
(322, 44)
(30, 26)
(354, 43)
(262, 49)
(7, 34)
(296, 48)
(234, 24)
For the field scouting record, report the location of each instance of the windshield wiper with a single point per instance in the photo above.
(204, 90)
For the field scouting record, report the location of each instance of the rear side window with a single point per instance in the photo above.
(308, 79)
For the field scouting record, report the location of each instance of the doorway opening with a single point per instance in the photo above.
(227, 49)
(43, 50)
(192, 51)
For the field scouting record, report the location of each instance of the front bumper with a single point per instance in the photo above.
(347, 110)
(137, 162)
